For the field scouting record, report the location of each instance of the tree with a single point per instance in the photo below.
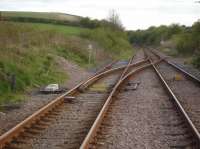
(1, 16)
(114, 19)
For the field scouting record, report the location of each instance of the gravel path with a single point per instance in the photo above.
(144, 118)
(34, 101)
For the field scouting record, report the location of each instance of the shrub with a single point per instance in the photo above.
(114, 42)
(196, 62)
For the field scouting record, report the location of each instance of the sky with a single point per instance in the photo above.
(134, 14)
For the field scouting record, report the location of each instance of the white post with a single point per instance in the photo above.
(90, 53)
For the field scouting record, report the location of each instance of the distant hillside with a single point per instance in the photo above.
(42, 15)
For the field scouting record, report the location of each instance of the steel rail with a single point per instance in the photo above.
(105, 68)
(178, 68)
(98, 76)
(16, 130)
(93, 130)
(126, 69)
(97, 122)
(178, 104)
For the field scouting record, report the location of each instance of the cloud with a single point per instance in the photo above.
(134, 13)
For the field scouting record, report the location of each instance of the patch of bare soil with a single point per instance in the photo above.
(34, 101)
(75, 73)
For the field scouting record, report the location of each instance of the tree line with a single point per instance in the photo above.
(113, 21)
(181, 39)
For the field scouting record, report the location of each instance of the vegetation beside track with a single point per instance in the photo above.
(113, 41)
(175, 40)
(28, 51)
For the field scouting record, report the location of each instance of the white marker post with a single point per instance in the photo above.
(90, 53)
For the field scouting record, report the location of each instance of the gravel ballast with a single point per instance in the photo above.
(186, 90)
(144, 118)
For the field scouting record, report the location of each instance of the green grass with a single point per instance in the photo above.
(114, 42)
(42, 15)
(66, 30)
(30, 68)
(30, 52)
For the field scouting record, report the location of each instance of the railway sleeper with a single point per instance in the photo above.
(185, 145)
(178, 124)
(12, 146)
(33, 131)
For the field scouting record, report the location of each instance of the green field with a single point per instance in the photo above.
(63, 29)
(42, 15)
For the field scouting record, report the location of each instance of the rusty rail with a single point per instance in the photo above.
(19, 128)
(97, 77)
(105, 68)
(93, 130)
(178, 68)
(178, 105)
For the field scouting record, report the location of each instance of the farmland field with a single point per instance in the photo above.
(66, 30)
(42, 15)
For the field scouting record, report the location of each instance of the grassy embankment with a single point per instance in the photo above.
(29, 51)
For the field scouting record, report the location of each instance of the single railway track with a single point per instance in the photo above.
(185, 92)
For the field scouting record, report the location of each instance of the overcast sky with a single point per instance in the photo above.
(135, 14)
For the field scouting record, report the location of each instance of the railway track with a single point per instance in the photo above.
(45, 127)
(132, 106)
(168, 125)
(186, 91)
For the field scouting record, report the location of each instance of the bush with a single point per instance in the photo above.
(114, 42)
(196, 62)
(184, 43)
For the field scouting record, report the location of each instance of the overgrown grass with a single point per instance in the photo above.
(62, 29)
(115, 42)
(28, 51)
